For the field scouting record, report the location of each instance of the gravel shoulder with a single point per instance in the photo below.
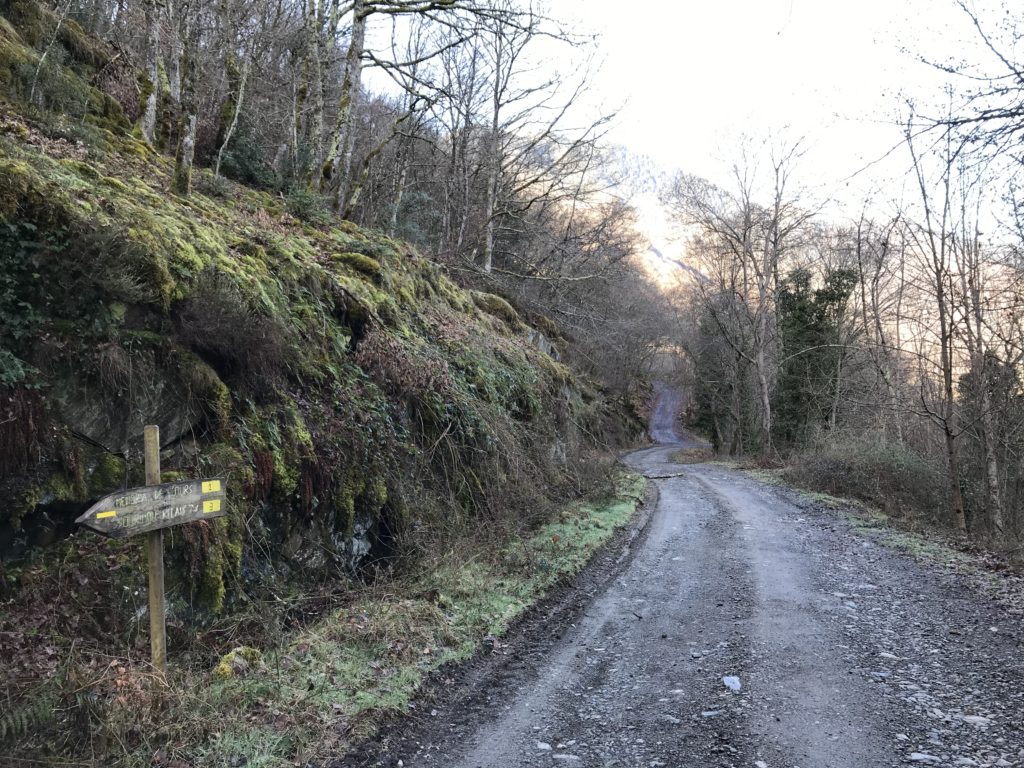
(746, 626)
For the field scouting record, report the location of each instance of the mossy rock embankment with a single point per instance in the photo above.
(348, 389)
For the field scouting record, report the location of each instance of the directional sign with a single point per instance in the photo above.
(152, 507)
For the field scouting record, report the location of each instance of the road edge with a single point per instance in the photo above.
(455, 698)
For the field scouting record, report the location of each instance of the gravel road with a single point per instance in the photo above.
(749, 627)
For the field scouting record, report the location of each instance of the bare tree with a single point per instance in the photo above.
(746, 241)
(933, 240)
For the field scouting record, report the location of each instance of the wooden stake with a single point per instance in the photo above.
(155, 552)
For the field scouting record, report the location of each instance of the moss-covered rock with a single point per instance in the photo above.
(357, 261)
(351, 394)
(498, 307)
(239, 662)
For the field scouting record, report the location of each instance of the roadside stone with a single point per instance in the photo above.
(978, 720)
(732, 683)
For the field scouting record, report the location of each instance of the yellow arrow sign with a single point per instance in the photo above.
(138, 510)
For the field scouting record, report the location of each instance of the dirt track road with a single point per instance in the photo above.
(748, 628)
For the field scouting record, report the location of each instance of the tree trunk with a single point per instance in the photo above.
(993, 500)
(152, 71)
(955, 495)
(174, 71)
(971, 286)
(309, 102)
(834, 412)
(396, 202)
(237, 97)
(336, 170)
(949, 407)
(181, 181)
(761, 364)
(493, 172)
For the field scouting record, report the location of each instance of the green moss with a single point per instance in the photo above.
(106, 474)
(236, 662)
(117, 184)
(84, 48)
(16, 188)
(357, 261)
(24, 505)
(285, 479)
(146, 88)
(85, 170)
(499, 307)
(211, 581)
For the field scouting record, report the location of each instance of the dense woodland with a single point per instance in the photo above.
(881, 351)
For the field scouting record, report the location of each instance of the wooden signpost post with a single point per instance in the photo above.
(149, 510)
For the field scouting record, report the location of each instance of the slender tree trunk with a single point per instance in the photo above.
(955, 494)
(834, 412)
(949, 407)
(315, 132)
(493, 177)
(465, 188)
(396, 202)
(761, 364)
(766, 403)
(993, 500)
(152, 71)
(181, 181)
(174, 70)
(239, 97)
(337, 168)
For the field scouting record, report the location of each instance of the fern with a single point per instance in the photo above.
(38, 712)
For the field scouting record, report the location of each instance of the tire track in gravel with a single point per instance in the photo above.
(848, 654)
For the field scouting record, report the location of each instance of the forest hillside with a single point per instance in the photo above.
(368, 414)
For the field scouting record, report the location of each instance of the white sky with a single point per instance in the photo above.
(696, 76)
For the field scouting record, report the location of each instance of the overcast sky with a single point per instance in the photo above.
(696, 75)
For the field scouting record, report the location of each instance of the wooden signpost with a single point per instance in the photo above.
(149, 510)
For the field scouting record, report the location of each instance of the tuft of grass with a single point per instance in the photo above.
(766, 476)
(874, 524)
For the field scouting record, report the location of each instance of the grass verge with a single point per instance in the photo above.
(867, 520)
(693, 456)
(328, 685)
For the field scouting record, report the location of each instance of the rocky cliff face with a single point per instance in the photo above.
(347, 388)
